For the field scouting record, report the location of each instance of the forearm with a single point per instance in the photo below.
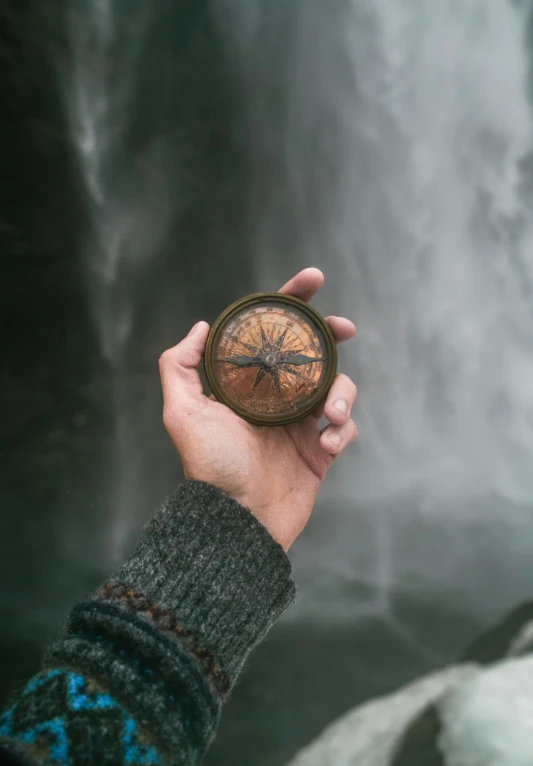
(149, 659)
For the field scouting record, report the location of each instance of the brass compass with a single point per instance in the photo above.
(271, 358)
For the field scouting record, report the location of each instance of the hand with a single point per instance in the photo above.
(275, 472)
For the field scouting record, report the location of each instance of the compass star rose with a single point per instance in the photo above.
(270, 358)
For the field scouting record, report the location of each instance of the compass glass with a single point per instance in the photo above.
(271, 359)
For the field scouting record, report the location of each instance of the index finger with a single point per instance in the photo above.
(305, 284)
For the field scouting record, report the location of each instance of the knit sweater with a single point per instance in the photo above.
(147, 661)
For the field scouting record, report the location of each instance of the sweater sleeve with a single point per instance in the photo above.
(147, 661)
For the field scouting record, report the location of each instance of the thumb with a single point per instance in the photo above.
(178, 367)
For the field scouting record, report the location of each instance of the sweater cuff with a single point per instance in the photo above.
(205, 561)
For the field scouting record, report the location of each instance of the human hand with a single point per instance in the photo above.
(276, 472)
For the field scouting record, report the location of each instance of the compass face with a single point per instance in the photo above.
(271, 358)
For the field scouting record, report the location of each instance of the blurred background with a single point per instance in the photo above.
(160, 160)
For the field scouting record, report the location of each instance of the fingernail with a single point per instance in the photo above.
(342, 406)
(334, 439)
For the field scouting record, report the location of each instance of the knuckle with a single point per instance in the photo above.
(342, 379)
(168, 418)
(349, 434)
(177, 359)
(164, 360)
(186, 358)
(350, 390)
(346, 384)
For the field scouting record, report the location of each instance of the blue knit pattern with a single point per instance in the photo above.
(87, 718)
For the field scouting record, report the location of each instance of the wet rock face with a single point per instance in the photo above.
(488, 720)
(464, 716)
(477, 713)
(371, 734)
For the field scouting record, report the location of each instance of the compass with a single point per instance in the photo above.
(271, 358)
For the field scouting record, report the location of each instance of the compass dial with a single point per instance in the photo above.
(271, 358)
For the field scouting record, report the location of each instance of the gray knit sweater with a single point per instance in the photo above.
(147, 661)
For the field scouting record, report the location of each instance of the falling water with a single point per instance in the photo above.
(129, 201)
(390, 143)
(389, 146)
(131, 198)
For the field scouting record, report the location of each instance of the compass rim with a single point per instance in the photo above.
(279, 419)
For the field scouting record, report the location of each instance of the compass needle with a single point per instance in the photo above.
(240, 361)
(298, 359)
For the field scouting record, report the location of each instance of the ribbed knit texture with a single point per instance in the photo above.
(223, 574)
(148, 660)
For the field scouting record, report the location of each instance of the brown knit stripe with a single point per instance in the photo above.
(165, 619)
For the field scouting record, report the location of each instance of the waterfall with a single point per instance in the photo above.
(390, 144)
(129, 202)
(130, 195)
